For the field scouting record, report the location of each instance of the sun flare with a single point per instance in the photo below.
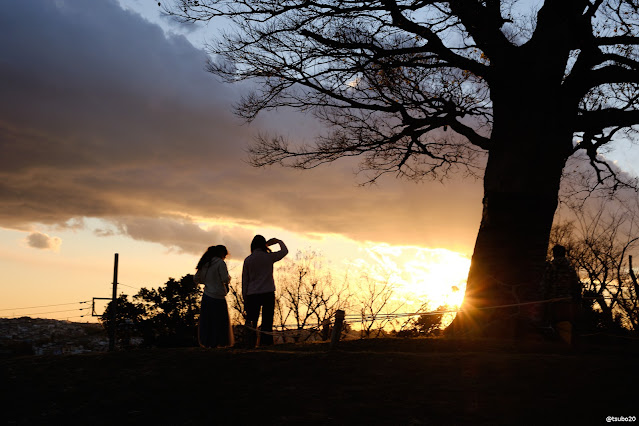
(436, 276)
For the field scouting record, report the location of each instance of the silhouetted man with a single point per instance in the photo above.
(562, 282)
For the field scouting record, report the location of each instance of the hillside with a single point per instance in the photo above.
(381, 381)
(36, 336)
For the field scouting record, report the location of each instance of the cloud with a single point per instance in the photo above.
(104, 115)
(182, 235)
(42, 241)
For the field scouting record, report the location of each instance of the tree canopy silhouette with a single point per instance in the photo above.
(423, 88)
(166, 316)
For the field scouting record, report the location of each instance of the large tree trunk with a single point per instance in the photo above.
(521, 187)
(510, 250)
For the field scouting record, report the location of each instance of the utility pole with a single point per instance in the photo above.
(114, 305)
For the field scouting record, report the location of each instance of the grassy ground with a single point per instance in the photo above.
(373, 382)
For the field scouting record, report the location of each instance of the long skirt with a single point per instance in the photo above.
(214, 329)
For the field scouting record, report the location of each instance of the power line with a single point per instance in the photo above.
(125, 285)
(50, 312)
(42, 306)
(130, 286)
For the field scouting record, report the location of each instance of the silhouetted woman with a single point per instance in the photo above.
(214, 328)
(258, 285)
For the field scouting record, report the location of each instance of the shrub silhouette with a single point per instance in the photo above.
(166, 316)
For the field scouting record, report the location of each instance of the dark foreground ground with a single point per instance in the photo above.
(372, 382)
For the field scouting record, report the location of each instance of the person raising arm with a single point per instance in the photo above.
(258, 285)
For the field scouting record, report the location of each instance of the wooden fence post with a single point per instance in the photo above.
(326, 329)
(337, 328)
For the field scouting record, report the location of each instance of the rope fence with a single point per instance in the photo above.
(327, 324)
(359, 318)
(355, 318)
(350, 318)
(449, 311)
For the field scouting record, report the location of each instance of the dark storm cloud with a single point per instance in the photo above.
(102, 115)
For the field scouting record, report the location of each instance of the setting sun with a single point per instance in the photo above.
(437, 276)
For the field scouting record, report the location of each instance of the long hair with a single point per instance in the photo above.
(213, 251)
(206, 257)
(221, 252)
(259, 242)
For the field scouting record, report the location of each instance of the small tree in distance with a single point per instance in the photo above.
(236, 303)
(307, 294)
(427, 324)
(166, 316)
(377, 303)
(173, 311)
(600, 242)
